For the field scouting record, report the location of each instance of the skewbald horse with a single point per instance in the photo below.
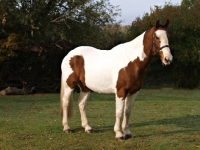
(120, 70)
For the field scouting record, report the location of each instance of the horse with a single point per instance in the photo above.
(120, 70)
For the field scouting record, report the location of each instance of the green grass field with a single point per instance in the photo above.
(161, 119)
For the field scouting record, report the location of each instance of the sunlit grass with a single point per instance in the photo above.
(160, 119)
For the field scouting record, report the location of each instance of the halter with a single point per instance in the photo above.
(158, 48)
(163, 47)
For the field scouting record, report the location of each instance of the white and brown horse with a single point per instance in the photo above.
(120, 70)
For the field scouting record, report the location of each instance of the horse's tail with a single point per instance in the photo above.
(61, 96)
(70, 106)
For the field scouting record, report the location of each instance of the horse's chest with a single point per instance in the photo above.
(130, 79)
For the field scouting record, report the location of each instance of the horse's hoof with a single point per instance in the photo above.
(89, 131)
(128, 136)
(121, 139)
(68, 131)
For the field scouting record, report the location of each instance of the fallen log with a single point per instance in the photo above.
(16, 91)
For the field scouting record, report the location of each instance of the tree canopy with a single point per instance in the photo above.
(35, 35)
(184, 30)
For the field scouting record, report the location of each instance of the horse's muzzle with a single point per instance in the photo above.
(167, 61)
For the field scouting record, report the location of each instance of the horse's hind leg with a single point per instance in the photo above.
(67, 108)
(82, 103)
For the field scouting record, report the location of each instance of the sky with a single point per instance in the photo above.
(130, 9)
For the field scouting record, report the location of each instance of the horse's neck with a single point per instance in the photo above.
(139, 49)
(147, 41)
(135, 47)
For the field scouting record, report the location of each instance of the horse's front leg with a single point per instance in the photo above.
(127, 111)
(82, 103)
(119, 113)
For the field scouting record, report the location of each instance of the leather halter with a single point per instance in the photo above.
(163, 47)
(158, 48)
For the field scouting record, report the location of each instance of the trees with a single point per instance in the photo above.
(184, 38)
(36, 35)
(188, 47)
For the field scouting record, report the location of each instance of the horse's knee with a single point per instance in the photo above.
(82, 100)
(127, 113)
(81, 105)
(65, 104)
(119, 114)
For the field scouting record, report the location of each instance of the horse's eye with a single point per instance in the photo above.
(157, 38)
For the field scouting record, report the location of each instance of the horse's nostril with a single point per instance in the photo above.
(168, 60)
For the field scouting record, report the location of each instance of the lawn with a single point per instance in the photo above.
(160, 119)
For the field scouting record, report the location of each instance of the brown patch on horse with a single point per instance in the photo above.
(131, 77)
(78, 74)
(151, 44)
(161, 55)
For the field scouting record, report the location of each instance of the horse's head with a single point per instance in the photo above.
(161, 44)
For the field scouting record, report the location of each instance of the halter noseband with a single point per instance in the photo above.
(163, 47)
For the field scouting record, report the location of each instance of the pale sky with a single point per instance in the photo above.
(130, 9)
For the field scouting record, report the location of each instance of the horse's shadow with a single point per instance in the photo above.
(187, 123)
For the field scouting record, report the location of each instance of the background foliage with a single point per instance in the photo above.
(184, 30)
(36, 35)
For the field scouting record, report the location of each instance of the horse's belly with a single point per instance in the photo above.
(101, 82)
(99, 87)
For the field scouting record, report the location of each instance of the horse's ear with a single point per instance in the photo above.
(166, 24)
(157, 24)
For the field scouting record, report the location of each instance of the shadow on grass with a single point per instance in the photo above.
(189, 122)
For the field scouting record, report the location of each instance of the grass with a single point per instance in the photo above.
(161, 119)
